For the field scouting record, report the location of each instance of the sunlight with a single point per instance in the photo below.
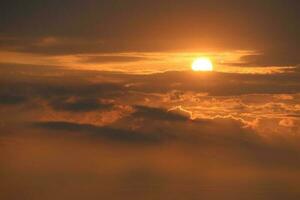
(202, 64)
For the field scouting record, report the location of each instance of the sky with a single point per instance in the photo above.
(98, 99)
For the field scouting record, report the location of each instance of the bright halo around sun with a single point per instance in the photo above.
(202, 64)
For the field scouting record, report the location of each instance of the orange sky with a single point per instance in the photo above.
(98, 100)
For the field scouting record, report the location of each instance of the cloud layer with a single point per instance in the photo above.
(165, 131)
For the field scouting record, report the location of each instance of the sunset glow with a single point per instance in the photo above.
(143, 99)
(202, 64)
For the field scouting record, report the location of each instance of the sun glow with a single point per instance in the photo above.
(202, 64)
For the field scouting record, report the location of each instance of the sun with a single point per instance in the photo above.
(202, 64)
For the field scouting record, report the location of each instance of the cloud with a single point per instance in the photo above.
(64, 94)
(150, 127)
(160, 125)
(253, 25)
(109, 133)
(179, 110)
(100, 59)
(227, 135)
(287, 123)
(282, 57)
(49, 82)
(158, 114)
(81, 105)
(218, 84)
(244, 96)
(152, 120)
(12, 99)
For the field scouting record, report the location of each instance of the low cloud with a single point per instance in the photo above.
(79, 105)
(164, 130)
(285, 57)
(108, 133)
(12, 99)
(158, 114)
(100, 59)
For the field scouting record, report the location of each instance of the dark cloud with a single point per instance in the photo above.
(81, 144)
(105, 26)
(54, 45)
(81, 105)
(51, 84)
(149, 124)
(111, 59)
(109, 133)
(75, 91)
(218, 84)
(158, 114)
(12, 99)
(224, 134)
(285, 57)
(228, 134)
